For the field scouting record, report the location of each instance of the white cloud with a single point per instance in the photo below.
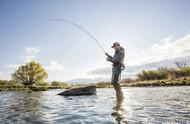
(168, 49)
(90, 75)
(32, 50)
(100, 71)
(55, 66)
(28, 58)
(30, 54)
(12, 66)
(165, 49)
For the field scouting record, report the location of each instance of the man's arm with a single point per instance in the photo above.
(118, 57)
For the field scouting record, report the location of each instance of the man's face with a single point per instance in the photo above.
(116, 47)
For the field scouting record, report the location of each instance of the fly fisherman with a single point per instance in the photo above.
(118, 66)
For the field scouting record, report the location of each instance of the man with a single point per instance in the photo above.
(117, 61)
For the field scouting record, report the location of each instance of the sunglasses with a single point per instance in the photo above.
(115, 45)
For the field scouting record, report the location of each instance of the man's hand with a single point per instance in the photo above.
(108, 58)
(107, 55)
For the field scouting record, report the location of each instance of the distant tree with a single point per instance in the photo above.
(183, 69)
(141, 76)
(42, 83)
(56, 83)
(30, 73)
(59, 84)
(182, 65)
(3, 82)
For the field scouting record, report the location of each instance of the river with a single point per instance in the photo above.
(140, 105)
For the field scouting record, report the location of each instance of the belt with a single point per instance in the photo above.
(119, 65)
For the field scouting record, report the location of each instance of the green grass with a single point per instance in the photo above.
(176, 82)
(17, 87)
(134, 83)
(103, 85)
(12, 88)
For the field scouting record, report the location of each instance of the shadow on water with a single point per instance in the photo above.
(118, 113)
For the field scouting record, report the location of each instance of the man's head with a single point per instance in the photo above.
(116, 46)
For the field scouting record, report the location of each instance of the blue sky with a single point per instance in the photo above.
(150, 31)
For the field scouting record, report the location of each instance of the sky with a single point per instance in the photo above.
(150, 32)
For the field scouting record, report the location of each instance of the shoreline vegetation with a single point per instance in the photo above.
(150, 83)
(23, 79)
(163, 76)
(10, 86)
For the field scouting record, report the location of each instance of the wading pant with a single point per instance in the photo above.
(116, 71)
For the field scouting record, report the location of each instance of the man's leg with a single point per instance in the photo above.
(115, 77)
(119, 93)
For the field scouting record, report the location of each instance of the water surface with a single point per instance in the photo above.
(140, 105)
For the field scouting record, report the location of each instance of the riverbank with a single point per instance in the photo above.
(152, 83)
(158, 83)
(174, 82)
(32, 88)
(10, 85)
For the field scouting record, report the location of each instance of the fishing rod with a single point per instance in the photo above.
(70, 22)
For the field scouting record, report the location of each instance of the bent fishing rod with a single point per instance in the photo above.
(80, 27)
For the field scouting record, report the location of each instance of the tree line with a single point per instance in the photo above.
(33, 73)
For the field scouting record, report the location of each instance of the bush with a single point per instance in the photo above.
(163, 73)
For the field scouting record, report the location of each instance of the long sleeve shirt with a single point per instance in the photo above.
(118, 57)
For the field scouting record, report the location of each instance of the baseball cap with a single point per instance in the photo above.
(115, 44)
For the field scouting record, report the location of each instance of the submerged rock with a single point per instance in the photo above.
(88, 90)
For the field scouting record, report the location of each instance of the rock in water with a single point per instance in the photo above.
(89, 90)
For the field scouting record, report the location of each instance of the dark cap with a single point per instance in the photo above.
(115, 44)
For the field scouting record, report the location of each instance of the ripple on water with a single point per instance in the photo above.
(141, 105)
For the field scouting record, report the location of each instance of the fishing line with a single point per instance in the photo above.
(94, 39)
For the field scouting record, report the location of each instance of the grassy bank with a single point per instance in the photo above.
(6, 85)
(24, 88)
(12, 86)
(33, 88)
(146, 83)
(177, 82)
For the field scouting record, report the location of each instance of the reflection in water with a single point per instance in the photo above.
(118, 114)
(155, 105)
(24, 109)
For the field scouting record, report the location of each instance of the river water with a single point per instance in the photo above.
(140, 105)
